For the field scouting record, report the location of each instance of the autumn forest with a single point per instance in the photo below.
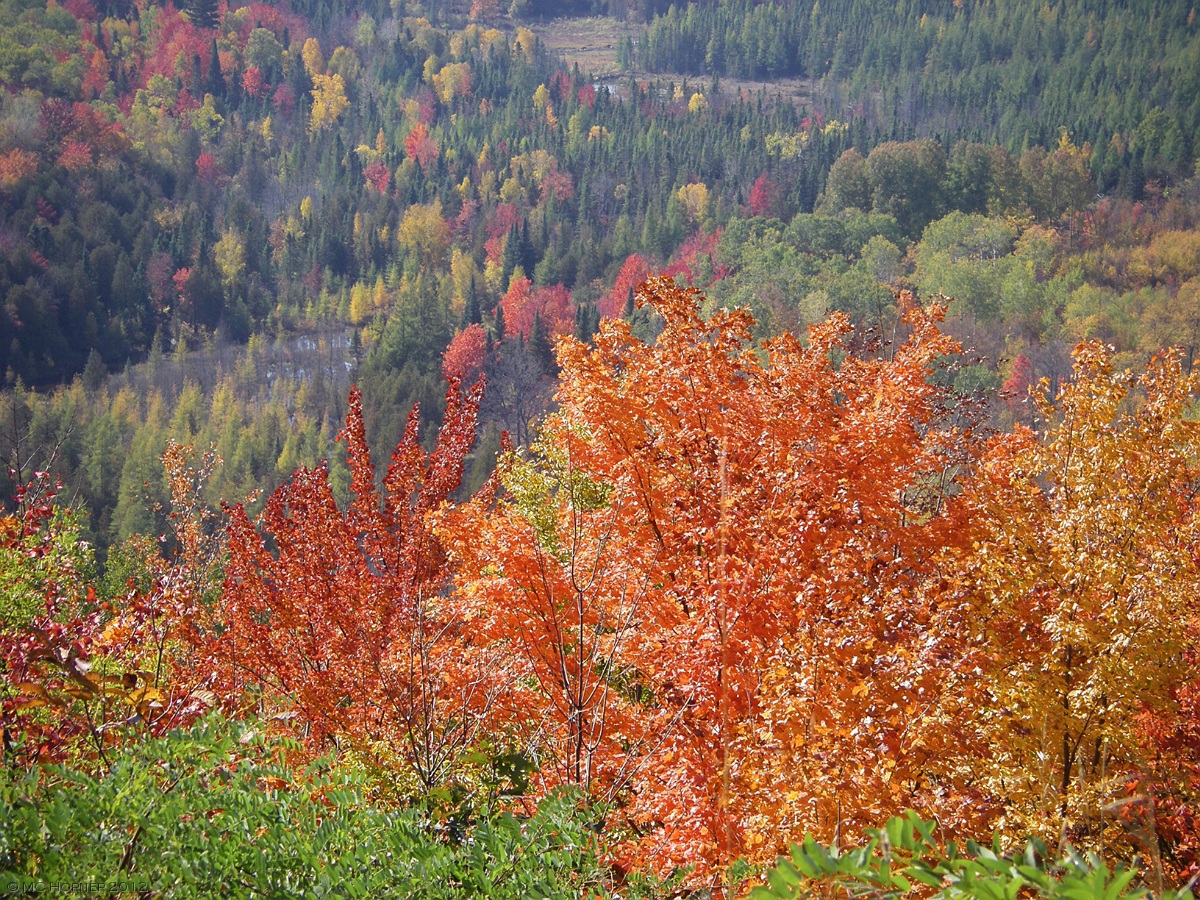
(767, 466)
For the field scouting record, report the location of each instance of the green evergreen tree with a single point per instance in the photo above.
(498, 322)
(587, 321)
(201, 13)
(540, 346)
(216, 81)
(472, 314)
(512, 254)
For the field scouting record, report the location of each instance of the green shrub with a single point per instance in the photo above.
(902, 859)
(216, 811)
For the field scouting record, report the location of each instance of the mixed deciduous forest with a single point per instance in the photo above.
(437, 470)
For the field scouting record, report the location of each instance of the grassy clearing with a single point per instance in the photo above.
(592, 43)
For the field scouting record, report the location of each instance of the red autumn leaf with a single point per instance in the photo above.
(463, 359)
(208, 167)
(421, 147)
(338, 615)
(378, 176)
(635, 271)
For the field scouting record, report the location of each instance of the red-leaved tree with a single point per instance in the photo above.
(421, 146)
(632, 274)
(378, 176)
(337, 618)
(710, 553)
(764, 197)
(463, 359)
(551, 303)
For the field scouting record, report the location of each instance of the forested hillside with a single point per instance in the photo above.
(1124, 77)
(370, 184)
(176, 187)
(760, 467)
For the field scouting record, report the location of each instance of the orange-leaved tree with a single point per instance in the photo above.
(337, 617)
(707, 551)
(1164, 799)
(1085, 581)
(553, 577)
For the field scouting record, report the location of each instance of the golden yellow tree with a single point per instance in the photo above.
(329, 101)
(314, 60)
(229, 253)
(1083, 576)
(454, 80)
(694, 198)
(424, 233)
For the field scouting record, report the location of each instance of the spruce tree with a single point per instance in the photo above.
(472, 314)
(216, 82)
(498, 322)
(512, 254)
(540, 346)
(528, 255)
(587, 321)
(201, 13)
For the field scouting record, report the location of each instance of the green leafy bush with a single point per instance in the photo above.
(902, 859)
(216, 811)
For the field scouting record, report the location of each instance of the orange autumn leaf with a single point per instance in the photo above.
(694, 521)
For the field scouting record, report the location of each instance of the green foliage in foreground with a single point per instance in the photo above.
(214, 811)
(902, 859)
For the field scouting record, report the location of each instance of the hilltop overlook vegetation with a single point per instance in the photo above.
(431, 462)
